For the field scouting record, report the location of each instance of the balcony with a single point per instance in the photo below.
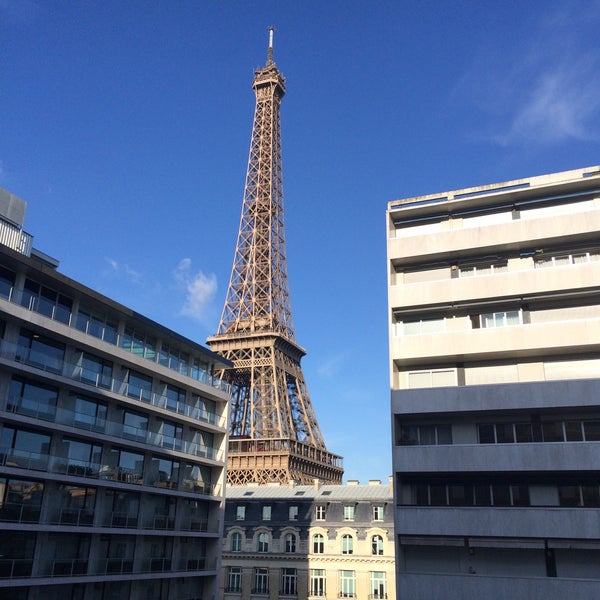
(52, 363)
(22, 459)
(15, 567)
(19, 512)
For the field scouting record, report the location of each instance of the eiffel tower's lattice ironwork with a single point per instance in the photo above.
(274, 434)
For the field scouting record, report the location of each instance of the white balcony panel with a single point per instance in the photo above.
(517, 283)
(524, 340)
(514, 235)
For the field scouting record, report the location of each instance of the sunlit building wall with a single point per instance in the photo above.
(494, 341)
(309, 542)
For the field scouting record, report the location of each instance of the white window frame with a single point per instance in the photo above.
(378, 512)
(347, 584)
(349, 512)
(293, 513)
(236, 541)
(318, 583)
(240, 512)
(320, 512)
(234, 579)
(289, 581)
(266, 512)
(500, 319)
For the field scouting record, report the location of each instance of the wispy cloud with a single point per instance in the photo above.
(124, 270)
(562, 103)
(547, 89)
(331, 366)
(200, 290)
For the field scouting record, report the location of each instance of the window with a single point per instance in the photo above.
(240, 512)
(135, 425)
(431, 378)
(90, 414)
(263, 542)
(261, 581)
(96, 325)
(347, 584)
(170, 435)
(139, 386)
(20, 500)
(7, 283)
(266, 512)
(174, 359)
(77, 505)
(500, 319)
(320, 513)
(45, 301)
(423, 326)
(478, 493)
(82, 458)
(234, 579)
(32, 399)
(377, 512)
(317, 582)
(174, 397)
(288, 580)
(236, 541)
(425, 435)
(377, 545)
(378, 584)
(124, 466)
(164, 472)
(40, 351)
(347, 544)
(293, 513)
(23, 448)
(197, 478)
(93, 370)
(318, 544)
(349, 512)
(137, 343)
(290, 543)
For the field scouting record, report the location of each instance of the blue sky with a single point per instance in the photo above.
(125, 125)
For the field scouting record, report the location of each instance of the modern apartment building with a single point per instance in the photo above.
(112, 441)
(304, 542)
(494, 339)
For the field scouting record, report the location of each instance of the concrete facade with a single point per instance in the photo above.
(112, 442)
(309, 542)
(494, 329)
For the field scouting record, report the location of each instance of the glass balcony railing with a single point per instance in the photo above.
(15, 567)
(20, 512)
(183, 368)
(23, 459)
(50, 361)
(44, 411)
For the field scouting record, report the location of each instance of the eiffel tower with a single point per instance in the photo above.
(273, 433)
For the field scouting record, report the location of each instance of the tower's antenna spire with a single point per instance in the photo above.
(270, 50)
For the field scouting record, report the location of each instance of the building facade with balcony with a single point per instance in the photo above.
(302, 542)
(494, 337)
(112, 441)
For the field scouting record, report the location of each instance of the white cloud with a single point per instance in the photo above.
(200, 290)
(330, 367)
(125, 270)
(563, 103)
(543, 89)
